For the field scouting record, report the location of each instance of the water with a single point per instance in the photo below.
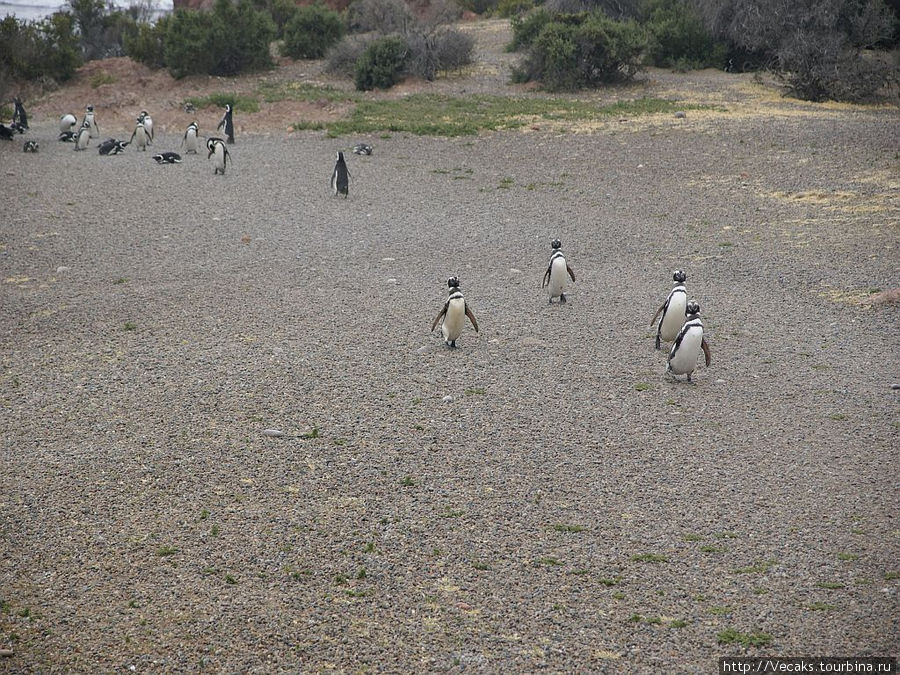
(35, 10)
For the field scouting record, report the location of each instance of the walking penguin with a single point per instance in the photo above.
(672, 310)
(84, 136)
(228, 123)
(555, 276)
(686, 348)
(216, 146)
(20, 117)
(90, 122)
(143, 138)
(191, 142)
(340, 177)
(454, 314)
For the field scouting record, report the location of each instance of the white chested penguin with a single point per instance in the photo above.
(555, 276)
(90, 122)
(145, 119)
(216, 146)
(167, 158)
(228, 124)
(191, 140)
(340, 177)
(20, 117)
(688, 343)
(112, 147)
(143, 139)
(84, 137)
(67, 124)
(673, 310)
(454, 314)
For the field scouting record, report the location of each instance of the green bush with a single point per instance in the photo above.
(382, 64)
(478, 6)
(311, 32)
(583, 50)
(281, 12)
(527, 27)
(231, 39)
(37, 50)
(147, 43)
(678, 37)
(510, 8)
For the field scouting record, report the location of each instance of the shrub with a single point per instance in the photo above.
(146, 44)
(678, 37)
(41, 50)
(382, 64)
(186, 42)
(510, 8)
(526, 28)
(379, 16)
(311, 31)
(342, 57)
(479, 6)
(443, 49)
(583, 50)
(281, 12)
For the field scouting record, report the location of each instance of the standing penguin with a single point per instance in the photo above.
(143, 139)
(340, 177)
(673, 310)
(191, 141)
(686, 348)
(20, 117)
(216, 146)
(84, 137)
(228, 123)
(90, 122)
(67, 123)
(453, 314)
(145, 119)
(555, 276)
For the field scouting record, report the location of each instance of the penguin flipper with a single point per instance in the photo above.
(546, 276)
(705, 347)
(658, 312)
(440, 315)
(471, 316)
(571, 273)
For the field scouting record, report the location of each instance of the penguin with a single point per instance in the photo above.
(145, 119)
(30, 146)
(672, 310)
(686, 348)
(6, 133)
(453, 314)
(90, 122)
(112, 147)
(66, 137)
(228, 124)
(340, 177)
(67, 123)
(216, 146)
(18, 128)
(362, 149)
(143, 140)
(167, 158)
(84, 137)
(191, 142)
(19, 115)
(555, 276)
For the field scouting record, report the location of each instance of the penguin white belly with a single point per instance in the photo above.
(67, 123)
(83, 138)
(141, 139)
(684, 360)
(674, 317)
(452, 326)
(557, 284)
(191, 142)
(220, 158)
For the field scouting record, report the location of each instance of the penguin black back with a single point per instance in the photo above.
(19, 115)
(228, 123)
(340, 177)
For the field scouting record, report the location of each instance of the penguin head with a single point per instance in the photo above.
(90, 108)
(555, 244)
(339, 156)
(453, 282)
(679, 276)
(228, 107)
(692, 308)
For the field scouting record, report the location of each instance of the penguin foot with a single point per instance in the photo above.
(657, 342)
(562, 298)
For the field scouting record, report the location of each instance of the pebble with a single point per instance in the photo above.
(895, 387)
(62, 268)
(273, 433)
(6, 652)
(513, 270)
(447, 399)
(680, 114)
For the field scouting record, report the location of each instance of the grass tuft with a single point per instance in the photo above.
(240, 102)
(650, 557)
(732, 637)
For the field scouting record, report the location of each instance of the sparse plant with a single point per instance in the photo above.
(311, 31)
(650, 557)
(166, 550)
(732, 636)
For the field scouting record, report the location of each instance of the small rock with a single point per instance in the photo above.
(423, 349)
(62, 268)
(6, 652)
(895, 387)
(392, 280)
(680, 114)
(447, 399)
(388, 259)
(720, 381)
(273, 433)
(513, 270)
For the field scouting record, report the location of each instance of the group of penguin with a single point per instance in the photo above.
(679, 320)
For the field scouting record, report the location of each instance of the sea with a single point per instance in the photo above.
(35, 10)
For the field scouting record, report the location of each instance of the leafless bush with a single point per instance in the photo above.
(614, 9)
(385, 17)
(341, 58)
(441, 49)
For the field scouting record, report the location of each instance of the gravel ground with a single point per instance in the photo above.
(542, 497)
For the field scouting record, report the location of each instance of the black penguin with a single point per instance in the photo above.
(66, 137)
(6, 133)
(167, 158)
(112, 147)
(19, 115)
(340, 177)
(30, 146)
(228, 123)
(362, 149)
